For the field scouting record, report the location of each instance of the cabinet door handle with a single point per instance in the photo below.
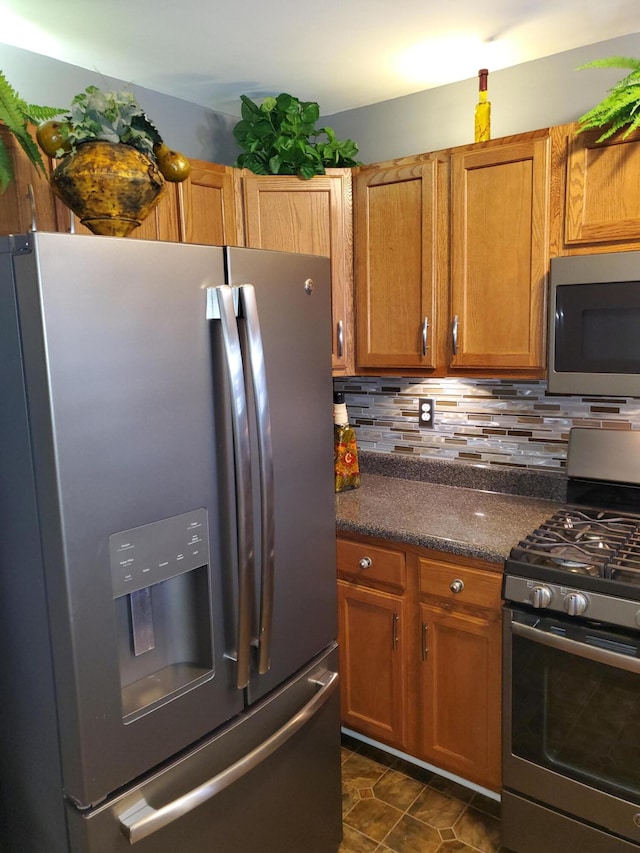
(425, 648)
(425, 335)
(454, 333)
(394, 629)
(365, 562)
(32, 207)
(340, 339)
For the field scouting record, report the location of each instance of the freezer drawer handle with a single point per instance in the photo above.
(142, 820)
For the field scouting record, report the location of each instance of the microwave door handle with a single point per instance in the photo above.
(242, 461)
(563, 644)
(255, 365)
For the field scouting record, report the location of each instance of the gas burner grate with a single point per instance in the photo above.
(625, 565)
(583, 542)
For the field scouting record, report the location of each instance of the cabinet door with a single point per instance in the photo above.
(314, 217)
(499, 257)
(601, 193)
(208, 205)
(28, 200)
(460, 692)
(162, 222)
(401, 239)
(371, 638)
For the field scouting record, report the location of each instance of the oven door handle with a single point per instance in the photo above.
(593, 653)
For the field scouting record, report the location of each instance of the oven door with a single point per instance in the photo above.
(571, 719)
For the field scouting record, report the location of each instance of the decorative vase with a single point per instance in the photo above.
(111, 187)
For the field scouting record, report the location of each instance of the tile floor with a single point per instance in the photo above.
(391, 806)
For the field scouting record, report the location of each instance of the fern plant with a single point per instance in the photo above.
(621, 107)
(16, 115)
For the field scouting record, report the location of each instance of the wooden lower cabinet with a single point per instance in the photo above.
(372, 662)
(460, 693)
(420, 654)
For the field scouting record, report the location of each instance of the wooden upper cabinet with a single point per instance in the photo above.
(27, 203)
(207, 201)
(163, 221)
(596, 192)
(401, 246)
(499, 254)
(288, 214)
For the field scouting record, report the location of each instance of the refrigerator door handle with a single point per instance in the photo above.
(256, 367)
(142, 820)
(242, 458)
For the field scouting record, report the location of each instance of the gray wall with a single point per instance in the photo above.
(535, 94)
(197, 132)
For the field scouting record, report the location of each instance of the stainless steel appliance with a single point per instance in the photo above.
(167, 547)
(571, 680)
(594, 314)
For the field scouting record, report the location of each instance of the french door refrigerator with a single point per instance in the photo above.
(167, 545)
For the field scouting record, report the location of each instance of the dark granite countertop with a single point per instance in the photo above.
(471, 522)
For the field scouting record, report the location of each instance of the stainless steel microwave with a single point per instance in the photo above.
(594, 325)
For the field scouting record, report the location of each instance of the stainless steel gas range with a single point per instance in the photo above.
(571, 661)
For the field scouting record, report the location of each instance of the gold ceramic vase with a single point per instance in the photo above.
(111, 187)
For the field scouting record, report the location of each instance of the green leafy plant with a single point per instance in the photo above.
(114, 117)
(16, 115)
(110, 117)
(621, 107)
(280, 137)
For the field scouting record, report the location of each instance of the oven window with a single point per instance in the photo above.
(597, 328)
(577, 717)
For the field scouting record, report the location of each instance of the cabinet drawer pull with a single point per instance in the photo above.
(425, 648)
(365, 563)
(394, 638)
(456, 586)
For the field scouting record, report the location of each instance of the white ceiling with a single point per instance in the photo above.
(341, 53)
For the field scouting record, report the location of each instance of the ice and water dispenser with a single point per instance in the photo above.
(161, 587)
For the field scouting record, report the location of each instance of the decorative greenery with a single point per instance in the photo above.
(110, 117)
(279, 137)
(17, 115)
(621, 107)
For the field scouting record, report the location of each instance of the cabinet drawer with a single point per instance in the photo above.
(474, 587)
(370, 563)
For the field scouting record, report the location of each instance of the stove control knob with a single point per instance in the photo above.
(575, 603)
(541, 596)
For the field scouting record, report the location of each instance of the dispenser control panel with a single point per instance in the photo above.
(155, 552)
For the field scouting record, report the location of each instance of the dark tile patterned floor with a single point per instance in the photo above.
(391, 806)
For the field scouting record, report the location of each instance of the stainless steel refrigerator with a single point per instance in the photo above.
(167, 546)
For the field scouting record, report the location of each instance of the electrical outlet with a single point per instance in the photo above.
(426, 412)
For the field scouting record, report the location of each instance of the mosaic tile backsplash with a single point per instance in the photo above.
(482, 421)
